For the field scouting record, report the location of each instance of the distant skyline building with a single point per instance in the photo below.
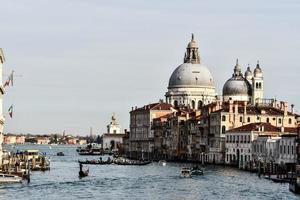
(113, 138)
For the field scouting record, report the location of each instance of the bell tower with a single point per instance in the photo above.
(257, 84)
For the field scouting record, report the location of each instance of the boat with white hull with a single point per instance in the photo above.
(8, 178)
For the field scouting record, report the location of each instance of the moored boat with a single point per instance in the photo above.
(8, 178)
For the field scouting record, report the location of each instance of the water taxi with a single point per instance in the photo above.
(185, 172)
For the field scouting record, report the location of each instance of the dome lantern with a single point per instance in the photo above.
(191, 54)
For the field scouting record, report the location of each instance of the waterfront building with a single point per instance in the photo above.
(191, 84)
(13, 139)
(42, 140)
(113, 138)
(141, 137)
(241, 141)
(2, 60)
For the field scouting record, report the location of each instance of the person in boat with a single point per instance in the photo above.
(100, 159)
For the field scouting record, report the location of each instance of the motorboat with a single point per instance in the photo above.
(162, 162)
(60, 154)
(196, 171)
(185, 172)
(8, 178)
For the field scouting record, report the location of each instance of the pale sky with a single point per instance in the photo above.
(78, 61)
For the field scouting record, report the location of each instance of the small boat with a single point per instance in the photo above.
(162, 162)
(185, 172)
(8, 178)
(94, 162)
(60, 154)
(83, 173)
(196, 171)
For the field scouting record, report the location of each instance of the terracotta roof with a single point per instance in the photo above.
(256, 110)
(155, 106)
(267, 128)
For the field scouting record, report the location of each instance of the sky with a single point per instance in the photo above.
(78, 61)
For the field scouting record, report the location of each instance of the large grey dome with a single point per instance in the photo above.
(237, 85)
(191, 75)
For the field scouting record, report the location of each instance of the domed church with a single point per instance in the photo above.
(244, 88)
(191, 84)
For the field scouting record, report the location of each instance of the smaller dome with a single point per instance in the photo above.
(257, 71)
(237, 85)
(248, 72)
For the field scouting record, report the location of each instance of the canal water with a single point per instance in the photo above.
(138, 182)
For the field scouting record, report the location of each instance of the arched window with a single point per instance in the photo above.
(241, 119)
(223, 129)
(256, 85)
(176, 104)
(279, 121)
(290, 121)
(268, 120)
(223, 118)
(193, 104)
(248, 119)
(200, 104)
(259, 85)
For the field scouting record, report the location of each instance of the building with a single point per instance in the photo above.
(191, 84)
(141, 137)
(42, 140)
(244, 88)
(113, 138)
(241, 141)
(2, 60)
(194, 126)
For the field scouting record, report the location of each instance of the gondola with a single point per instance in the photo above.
(94, 162)
(83, 173)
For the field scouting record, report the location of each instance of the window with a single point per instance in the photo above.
(280, 149)
(223, 129)
(279, 121)
(223, 118)
(248, 138)
(268, 120)
(176, 104)
(292, 150)
(288, 149)
(248, 119)
(290, 121)
(237, 139)
(200, 104)
(193, 104)
(230, 138)
(283, 149)
(241, 119)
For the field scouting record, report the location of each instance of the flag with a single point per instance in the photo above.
(10, 111)
(10, 80)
